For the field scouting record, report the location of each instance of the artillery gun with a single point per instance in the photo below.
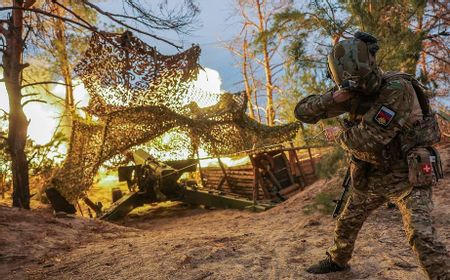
(153, 181)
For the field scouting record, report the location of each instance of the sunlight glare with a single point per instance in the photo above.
(227, 161)
(205, 91)
(44, 117)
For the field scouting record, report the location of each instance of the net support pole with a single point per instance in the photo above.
(202, 178)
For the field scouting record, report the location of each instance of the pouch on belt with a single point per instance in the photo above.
(358, 172)
(425, 166)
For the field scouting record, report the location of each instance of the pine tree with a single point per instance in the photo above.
(413, 38)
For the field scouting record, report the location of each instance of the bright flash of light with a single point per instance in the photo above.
(235, 162)
(175, 145)
(172, 145)
(205, 91)
(44, 117)
(4, 103)
(43, 122)
(227, 161)
(80, 95)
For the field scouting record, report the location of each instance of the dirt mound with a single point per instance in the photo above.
(28, 237)
(176, 242)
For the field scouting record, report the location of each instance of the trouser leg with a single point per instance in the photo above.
(356, 211)
(416, 211)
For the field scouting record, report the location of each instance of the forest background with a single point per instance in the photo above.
(278, 47)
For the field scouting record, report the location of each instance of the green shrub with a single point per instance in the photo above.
(323, 203)
(331, 163)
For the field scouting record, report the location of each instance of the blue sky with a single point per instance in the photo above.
(215, 25)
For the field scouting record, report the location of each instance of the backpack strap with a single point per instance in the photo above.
(422, 92)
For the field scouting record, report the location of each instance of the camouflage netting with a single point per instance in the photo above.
(137, 95)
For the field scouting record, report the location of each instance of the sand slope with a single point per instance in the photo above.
(182, 243)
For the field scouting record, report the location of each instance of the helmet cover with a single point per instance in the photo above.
(352, 62)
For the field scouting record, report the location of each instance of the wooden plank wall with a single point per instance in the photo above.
(241, 178)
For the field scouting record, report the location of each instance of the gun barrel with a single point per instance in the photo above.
(345, 185)
(337, 208)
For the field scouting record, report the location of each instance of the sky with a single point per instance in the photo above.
(216, 25)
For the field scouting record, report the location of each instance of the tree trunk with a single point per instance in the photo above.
(64, 66)
(248, 89)
(63, 57)
(255, 93)
(66, 73)
(423, 55)
(18, 123)
(270, 112)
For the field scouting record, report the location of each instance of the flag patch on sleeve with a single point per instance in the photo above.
(384, 116)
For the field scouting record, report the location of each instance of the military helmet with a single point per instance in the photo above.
(352, 63)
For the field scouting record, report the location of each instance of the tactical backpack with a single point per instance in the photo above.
(416, 141)
(425, 132)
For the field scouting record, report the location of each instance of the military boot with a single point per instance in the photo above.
(326, 266)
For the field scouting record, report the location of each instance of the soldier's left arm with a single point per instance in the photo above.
(383, 120)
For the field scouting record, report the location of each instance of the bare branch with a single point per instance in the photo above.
(43, 83)
(74, 14)
(33, 100)
(248, 21)
(29, 3)
(27, 33)
(443, 33)
(32, 157)
(113, 18)
(24, 65)
(45, 13)
(30, 94)
(437, 57)
(4, 112)
(50, 93)
(274, 67)
(150, 19)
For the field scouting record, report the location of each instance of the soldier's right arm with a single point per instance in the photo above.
(313, 108)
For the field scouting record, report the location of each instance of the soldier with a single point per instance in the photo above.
(388, 137)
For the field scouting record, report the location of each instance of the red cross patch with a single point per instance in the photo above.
(426, 168)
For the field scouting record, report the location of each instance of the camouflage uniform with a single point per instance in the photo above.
(380, 172)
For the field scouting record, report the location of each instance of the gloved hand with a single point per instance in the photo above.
(331, 133)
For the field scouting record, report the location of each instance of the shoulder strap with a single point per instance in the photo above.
(423, 96)
(422, 92)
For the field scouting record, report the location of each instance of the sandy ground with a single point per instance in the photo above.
(175, 242)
